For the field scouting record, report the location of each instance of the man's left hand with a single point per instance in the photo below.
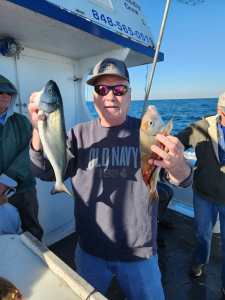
(172, 158)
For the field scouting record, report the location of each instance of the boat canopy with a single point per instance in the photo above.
(79, 29)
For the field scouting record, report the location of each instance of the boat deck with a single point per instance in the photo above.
(174, 259)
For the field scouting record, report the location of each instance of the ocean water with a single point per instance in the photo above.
(182, 111)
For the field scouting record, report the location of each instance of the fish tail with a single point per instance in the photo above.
(58, 188)
(153, 184)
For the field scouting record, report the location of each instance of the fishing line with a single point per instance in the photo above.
(152, 71)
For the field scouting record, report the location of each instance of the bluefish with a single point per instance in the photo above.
(51, 127)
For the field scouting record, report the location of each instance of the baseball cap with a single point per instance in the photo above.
(109, 66)
(221, 100)
(6, 86)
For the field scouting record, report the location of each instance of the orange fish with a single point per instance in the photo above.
(8, 291)
(151, 125)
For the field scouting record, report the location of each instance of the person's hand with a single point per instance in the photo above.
(3, 188)
(3, 198)
(171, 158)
(33, 108)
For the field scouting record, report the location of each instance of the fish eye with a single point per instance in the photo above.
(150, 123)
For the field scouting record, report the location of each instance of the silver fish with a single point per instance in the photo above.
(151, 125)
(51, 127)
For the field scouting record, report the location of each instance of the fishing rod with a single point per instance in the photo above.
(151, 73)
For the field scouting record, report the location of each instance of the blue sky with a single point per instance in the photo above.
(194, 49)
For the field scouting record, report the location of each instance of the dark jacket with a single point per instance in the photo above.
(15, 136)
(209, 175)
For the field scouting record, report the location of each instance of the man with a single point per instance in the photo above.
(15, 134)
(116, 221)
(207, 137)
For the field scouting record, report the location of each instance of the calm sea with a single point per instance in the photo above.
(182, 111)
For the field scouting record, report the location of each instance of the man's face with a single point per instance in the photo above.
(221, 111)
(112, 109)
(5, 100)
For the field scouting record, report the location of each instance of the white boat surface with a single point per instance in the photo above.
(38, 273)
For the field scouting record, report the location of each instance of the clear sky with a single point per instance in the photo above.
(194, 49)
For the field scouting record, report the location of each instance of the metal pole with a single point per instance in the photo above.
(150, 75)
(19, 103)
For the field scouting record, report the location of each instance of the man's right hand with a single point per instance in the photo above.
(3, 198)
(3, 188)
(33, 110)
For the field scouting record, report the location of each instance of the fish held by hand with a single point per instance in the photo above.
(51, 127)
(151, 125)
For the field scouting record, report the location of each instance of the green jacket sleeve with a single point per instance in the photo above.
(19, 169)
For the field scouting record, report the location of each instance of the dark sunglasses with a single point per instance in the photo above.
(118, 90)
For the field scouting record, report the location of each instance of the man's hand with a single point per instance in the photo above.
(172, 158)
(3, 198)
(3, 188)
(33, 115)
(33, 108)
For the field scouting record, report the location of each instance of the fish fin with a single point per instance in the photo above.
(153, 184)
(144, 125)
(168, 128)
(60, 188)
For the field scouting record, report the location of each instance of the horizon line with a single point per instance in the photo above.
(198, 98)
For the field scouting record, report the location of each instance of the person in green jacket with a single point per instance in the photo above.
(15, 135)
(207, 137)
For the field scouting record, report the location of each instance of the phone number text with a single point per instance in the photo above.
(123, 28)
